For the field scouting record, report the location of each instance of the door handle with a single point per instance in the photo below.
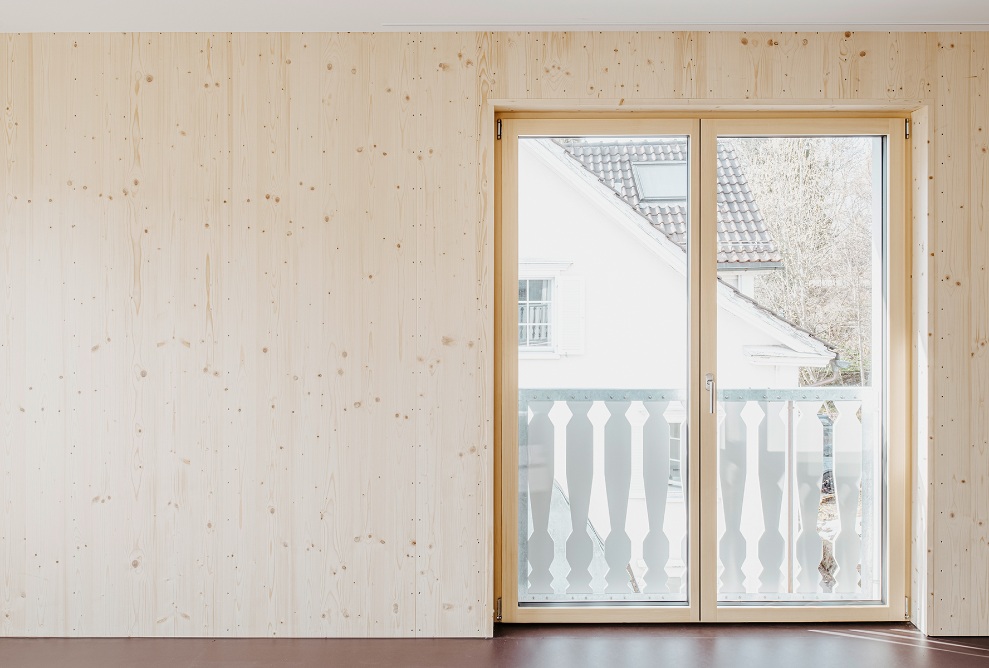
(710, 385)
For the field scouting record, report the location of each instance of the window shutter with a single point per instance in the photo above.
(570, 315)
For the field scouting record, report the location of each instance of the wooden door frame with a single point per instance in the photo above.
(898, 351)
(702, 531)
(506, 370)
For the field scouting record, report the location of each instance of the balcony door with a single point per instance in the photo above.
(700, 345)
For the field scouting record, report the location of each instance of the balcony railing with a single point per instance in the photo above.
(604, 516)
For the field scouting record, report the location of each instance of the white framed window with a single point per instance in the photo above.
(536, 321)
(550, 309)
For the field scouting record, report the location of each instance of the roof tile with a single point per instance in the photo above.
(742, 233)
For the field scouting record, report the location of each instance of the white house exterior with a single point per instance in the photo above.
(619, 307)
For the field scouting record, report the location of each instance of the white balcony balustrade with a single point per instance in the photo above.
(603, 498)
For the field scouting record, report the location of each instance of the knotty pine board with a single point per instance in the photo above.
(949, 515)
(976, 487)
(454, 305)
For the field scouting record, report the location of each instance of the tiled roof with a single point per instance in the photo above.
(742, 233)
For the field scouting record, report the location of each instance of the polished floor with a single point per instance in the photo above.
(543, 646)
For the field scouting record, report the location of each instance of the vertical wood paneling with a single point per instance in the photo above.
(245, 358)
(208, 457)
(185, 435)
(385, 334)
(454, 306)
(307, 229)
(45, 361)
(951, 513)
(326, 376)
(276, 320)
(207, 372)
(238, 526)
(976, 618)
(15, 181)
(82, 243)
(106, 278)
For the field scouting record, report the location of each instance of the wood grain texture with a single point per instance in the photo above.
(453, 348)
(15, 177)
(207, 389)
(950, 512)
(246, 348)
(977, 483)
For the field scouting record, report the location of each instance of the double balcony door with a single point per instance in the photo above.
(702, 369)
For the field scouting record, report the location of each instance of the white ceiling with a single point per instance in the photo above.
(432, 15)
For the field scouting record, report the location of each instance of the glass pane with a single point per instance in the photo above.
(539, 313)
(539, 335)
(661, 180)
(800, 369)
(603, 516)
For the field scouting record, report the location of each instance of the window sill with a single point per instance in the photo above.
(538, 355)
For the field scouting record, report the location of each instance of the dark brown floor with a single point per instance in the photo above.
(543, 646)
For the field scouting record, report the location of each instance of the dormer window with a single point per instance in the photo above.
(661, 181)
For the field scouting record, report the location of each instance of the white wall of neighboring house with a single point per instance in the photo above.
(621, 305)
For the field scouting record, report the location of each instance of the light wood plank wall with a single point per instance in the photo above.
(246, 354)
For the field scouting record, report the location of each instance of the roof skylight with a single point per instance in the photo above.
(662, 181)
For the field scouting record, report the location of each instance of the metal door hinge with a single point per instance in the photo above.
(498, 601)
(907, 129)
(906, 607)
(499, 128)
